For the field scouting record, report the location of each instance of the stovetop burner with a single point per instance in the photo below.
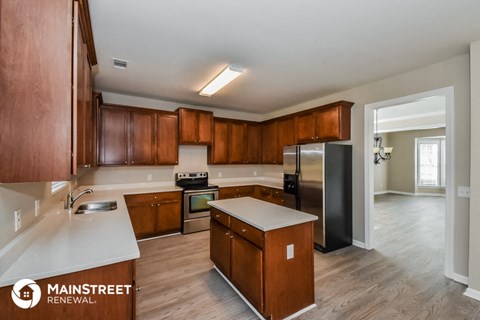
(193, 181)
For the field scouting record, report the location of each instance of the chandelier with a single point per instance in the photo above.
(380, 153)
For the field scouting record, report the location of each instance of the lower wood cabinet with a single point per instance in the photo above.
(256, 263)
(236, 192)
(154, 214)
(103, 306)
(272, 195)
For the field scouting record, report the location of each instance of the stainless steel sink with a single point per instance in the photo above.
(94, 207)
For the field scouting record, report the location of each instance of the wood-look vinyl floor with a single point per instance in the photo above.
(402, 278)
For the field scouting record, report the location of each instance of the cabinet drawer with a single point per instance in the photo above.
(134, 199)
(246, 231)
(245, 191)
(220, 216)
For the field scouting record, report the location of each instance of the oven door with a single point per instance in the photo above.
(195, 203)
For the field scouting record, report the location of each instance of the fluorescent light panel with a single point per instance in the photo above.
(220, 81)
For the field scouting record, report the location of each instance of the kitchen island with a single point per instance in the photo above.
(265, 252)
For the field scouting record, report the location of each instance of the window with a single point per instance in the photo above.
(431, 162)
(58, 185)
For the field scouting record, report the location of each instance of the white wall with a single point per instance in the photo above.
(474, 263)
(453, 72)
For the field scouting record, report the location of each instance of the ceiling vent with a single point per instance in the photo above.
(119, 64)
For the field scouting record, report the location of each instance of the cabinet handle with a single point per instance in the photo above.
(152, 205)
(227, 233)
(133, 162)
(217, 216)
(125, 162)
(244, 230)
(137, 288)
(313, 138)
(316, 138)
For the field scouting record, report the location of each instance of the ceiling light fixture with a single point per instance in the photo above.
(229, 74)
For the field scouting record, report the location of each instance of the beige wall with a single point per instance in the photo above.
(401, 168)
(380, 171)
(453, 72)
(474, 263)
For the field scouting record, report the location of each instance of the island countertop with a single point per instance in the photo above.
(262, 215)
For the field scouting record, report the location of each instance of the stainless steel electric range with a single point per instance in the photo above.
(196, 193)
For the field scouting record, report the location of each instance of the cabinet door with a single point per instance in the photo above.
(285, 136)
(305, 127)
(227, 193)
(188, 120)
(269, 143)
(142, 139)
(277, 196)
(113, 136)
(262, 193)
(205, 127)
(168, 217)
(167, 139)
(143, 218)
(237, 143)
(253, 141)
(333, 123)
(218, 152)
(247, 270)
(220, 247)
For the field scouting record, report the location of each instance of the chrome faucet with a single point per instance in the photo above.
(71, 199)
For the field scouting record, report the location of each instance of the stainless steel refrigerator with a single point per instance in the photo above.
(318, 180)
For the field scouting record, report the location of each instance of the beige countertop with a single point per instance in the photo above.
(260, 214)
(63, 242)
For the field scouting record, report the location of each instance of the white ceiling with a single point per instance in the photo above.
(292, 51)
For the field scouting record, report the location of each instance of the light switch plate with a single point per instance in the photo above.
(290, 252)
(18, 219)
(463, 192)
(37, 207)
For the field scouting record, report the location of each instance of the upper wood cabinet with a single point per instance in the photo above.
(234, 142)
(195, 126)
(269, 143)
(113, 144)
(218, 151)
(167, 138)
(285, 136)
(137, 136)
(142, 137)
(327, 123)
(36, 70)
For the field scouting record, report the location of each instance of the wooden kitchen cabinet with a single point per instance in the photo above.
(268, 194)
(253, 139)
(37, 115)
(269, 143)
(236, 192)
(195, 126)
(326, 123)
(154, 214)
(285, 136)
(137, 136)
(167, 138)
(218, 151)
(106, 306)
(113, 144)
(142, 138)
(220, 252)
(255, 262)
(237, 142)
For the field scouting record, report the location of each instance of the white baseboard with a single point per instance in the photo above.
(418, 194)
(358, 244)
(460, 278)
(471, 293)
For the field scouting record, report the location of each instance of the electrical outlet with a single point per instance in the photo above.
(37, 207)
(463, 192)
(219, 174)
(18, 219)
(149, 177)
(290, 252)
(254, 173)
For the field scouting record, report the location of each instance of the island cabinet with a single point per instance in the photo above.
(93, 305)
(195, 126)
(154, 214)
(269, 263)
(326, 123)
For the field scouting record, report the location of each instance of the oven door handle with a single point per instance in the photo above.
(200, 191)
